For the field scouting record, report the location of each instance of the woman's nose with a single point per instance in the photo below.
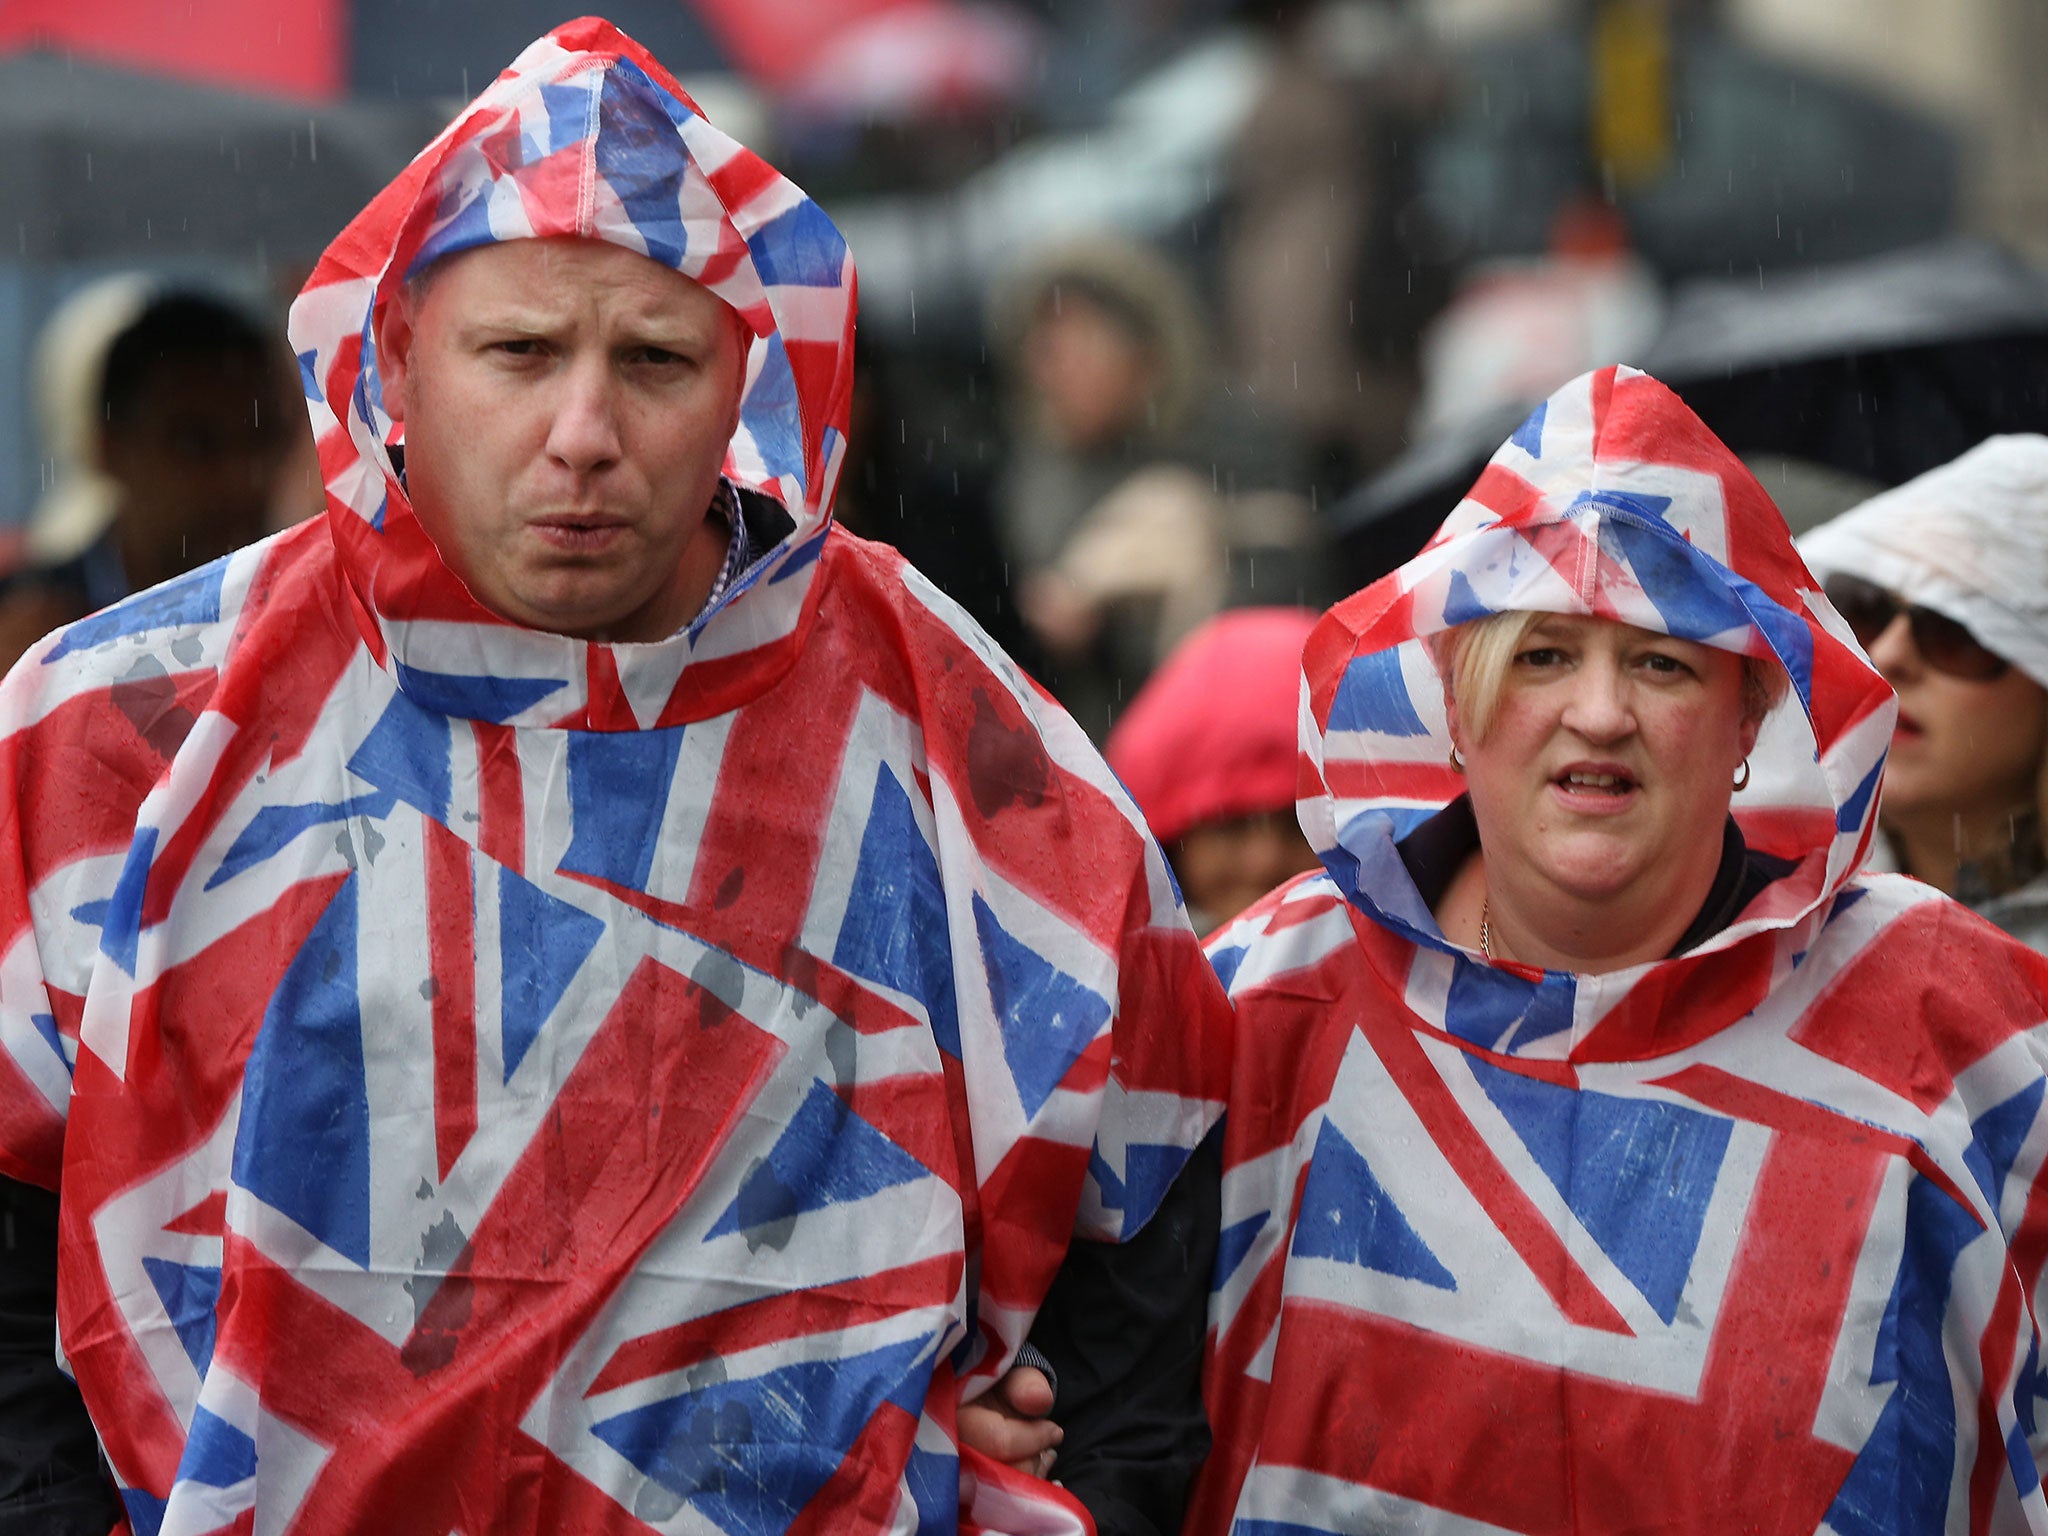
(1893, 652)
(1598, 707)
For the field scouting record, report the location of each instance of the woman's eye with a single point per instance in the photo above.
(1539, 656)
(1657, 661)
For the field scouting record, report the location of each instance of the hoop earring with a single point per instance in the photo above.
(1742, 778)
(1457, 762)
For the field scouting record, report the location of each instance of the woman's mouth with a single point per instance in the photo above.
(1595, 789)
(1906, 726)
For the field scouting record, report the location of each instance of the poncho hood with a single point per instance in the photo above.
(1969, 540)
(586, 135)
(1614, 500)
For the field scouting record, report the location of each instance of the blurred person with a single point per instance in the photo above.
(1207, 749)
(1944, 581)
(1113, 501)
(1519, 328)
(1603, 1150)
(1330, 264)
(164, 413)
(163, 417)
(568, 994)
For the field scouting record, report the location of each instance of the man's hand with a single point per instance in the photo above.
(1008, 1422)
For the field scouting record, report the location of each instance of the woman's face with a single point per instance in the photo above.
(1963, 747)
(1606, 771)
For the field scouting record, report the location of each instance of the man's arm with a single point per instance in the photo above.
(1123, 1328)
(51, 1479)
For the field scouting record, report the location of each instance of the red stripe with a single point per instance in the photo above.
(1995, 1361)
(1505, 1201)
(784, 1315)
(1538, 1449)
(1429, 784)
(427, 1436)
(501, 791)
(451, 951)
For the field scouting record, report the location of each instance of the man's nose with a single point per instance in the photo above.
(1598, 708)
(584, 434)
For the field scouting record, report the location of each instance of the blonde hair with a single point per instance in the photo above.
(1473, 659)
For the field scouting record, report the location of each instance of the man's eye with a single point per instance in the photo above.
(660, 357)
(517, 346)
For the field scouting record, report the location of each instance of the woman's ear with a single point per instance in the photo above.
(1752, 727)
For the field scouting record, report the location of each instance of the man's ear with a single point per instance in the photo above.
(392, 328)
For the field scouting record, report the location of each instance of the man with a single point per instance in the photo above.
(567, 994)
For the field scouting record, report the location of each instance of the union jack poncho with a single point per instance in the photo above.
(1747, 1240)
(502, 1083)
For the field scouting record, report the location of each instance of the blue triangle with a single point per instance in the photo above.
(1485, 1005)
(1901, 1478)
(46, 1026)
(1149, 1171)
(121, 928)
(1638, 1173)
(1529, 435)
(303, 1147)
(273, 828)
(542, 942)
(216, 1453)
(189, 1293)
(934, 1482)
(827, 1156)
(1233, 1243)
(1348, 1216)
(145, 1511)
(1047, 1018)
(1372, 695)
(895, 930)
(191, 599)
(407, 753)
(1998, 1135)
(309, 380)
(619, 783)
(750, 1454)
(496, 699)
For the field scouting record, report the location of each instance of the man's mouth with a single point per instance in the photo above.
(579, 532)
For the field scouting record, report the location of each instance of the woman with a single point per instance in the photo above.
(1596, 1160)
(1945, 581)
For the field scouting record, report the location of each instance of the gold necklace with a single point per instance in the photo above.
(1485, 928)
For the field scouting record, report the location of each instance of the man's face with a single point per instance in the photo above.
(567, 406)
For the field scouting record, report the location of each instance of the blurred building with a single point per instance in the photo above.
(1977, 64)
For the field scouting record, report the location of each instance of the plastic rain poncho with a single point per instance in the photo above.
(503, 1083)
(1749, 1239)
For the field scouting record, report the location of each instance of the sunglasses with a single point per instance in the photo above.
(1942, 643)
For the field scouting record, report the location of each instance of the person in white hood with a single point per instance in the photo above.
(1945, 582)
